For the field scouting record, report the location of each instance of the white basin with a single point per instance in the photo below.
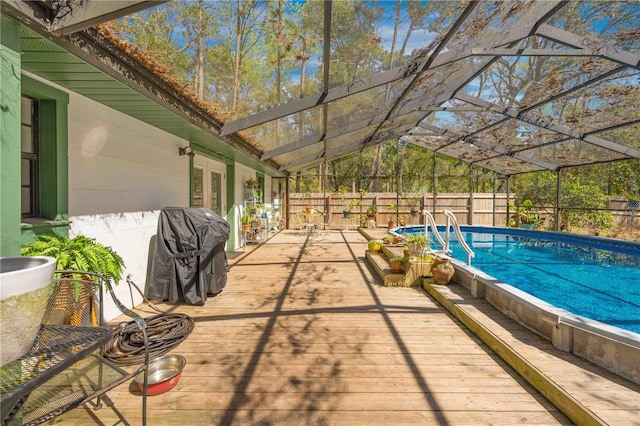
(24, 291)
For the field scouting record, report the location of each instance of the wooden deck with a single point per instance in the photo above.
(303, 334)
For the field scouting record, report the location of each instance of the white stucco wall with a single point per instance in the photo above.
(121, 173)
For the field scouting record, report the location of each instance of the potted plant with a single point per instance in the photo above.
(346, 213)
(252, 183)
(537, 221)
(394, 208)
(341, 192)
(524, 217)
(417, 244)
(396, 263)
(246, 220)
(374, 245)
(80, 254)
(305, 199)
(371, 211)
(414, 206)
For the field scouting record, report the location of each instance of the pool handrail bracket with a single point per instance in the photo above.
(453, 223)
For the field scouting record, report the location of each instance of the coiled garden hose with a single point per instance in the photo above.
(165, 332)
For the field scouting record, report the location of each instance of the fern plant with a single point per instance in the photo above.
(80, 253)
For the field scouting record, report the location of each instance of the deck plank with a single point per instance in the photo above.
(304, 333)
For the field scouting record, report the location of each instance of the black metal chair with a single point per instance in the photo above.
(74, 311)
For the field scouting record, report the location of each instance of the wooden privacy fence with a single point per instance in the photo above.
(486, 209)
(478, 209)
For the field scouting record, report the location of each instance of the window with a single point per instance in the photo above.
(44, 164)
(29, 158)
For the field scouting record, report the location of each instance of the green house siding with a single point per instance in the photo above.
(9, 138)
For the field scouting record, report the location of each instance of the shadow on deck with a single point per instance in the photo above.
(304, 333)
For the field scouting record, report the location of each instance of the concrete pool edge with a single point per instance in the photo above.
(611, 348)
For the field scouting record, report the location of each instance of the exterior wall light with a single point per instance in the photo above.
(186, 151)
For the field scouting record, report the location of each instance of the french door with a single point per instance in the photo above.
(208, 185)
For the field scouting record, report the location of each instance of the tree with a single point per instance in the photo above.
(197, 23)
(155, 31)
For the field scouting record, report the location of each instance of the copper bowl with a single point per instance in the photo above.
(164, 374)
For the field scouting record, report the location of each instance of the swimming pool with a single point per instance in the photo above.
(593, 277)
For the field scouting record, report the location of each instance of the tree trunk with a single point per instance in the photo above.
(237, 63)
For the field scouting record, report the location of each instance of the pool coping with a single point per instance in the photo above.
(609, 347)
(582, 391)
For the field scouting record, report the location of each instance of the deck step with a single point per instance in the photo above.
(407, 278)
(381, 265)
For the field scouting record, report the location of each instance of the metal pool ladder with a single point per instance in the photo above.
(451, 223)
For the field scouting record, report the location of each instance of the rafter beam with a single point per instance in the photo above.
(563, 130)
(534, 52)
(340, 131)
(604, 50)
(549, 99)
(76, 16)
(495, 148)
(345, 149)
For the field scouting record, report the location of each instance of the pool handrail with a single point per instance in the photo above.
(431, 221)
(452, 222)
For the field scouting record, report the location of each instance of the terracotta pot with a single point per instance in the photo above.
(442, 270)
(246, 227)
(396, 266)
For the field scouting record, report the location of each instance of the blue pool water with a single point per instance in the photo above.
(593, 277)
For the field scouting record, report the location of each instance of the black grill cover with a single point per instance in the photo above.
(189, 262)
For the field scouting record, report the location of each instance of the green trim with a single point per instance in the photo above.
(54, 167)
(10, 136)
(232, 216)
(191, 169)
(31, 230)
(211, 154)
